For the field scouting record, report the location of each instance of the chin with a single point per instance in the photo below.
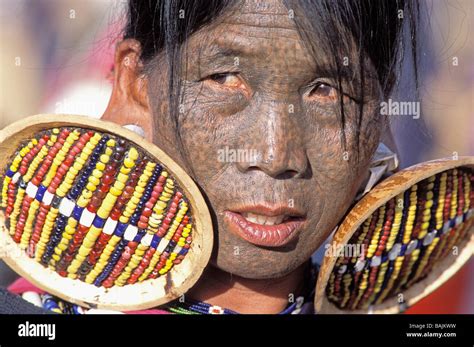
(258, 270)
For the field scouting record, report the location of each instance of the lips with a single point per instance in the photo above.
(265, 226)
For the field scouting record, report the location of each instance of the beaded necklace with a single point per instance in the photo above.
(187, 306)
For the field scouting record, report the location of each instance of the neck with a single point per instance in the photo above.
(244, 295)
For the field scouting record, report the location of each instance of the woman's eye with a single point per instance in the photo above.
(324, 92)
(230, 80)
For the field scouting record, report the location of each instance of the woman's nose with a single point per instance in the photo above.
(278, 144)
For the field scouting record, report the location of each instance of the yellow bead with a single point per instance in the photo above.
(61, 192)
(82, 202)
(81, 162)
(104, 158)
(103, 212)
(119, 185)
(133, 153)
(90, 186)
(77, 166)
(128, 163)
(88, 243)
(116, 192)
(94, 180)
(87, 150)
(122, 178)
(161, 205)
(109, 201)
(125, 170)
(83, 251)
(97, 173)
(135, 199)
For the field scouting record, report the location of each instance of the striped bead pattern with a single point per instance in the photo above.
(93, 207)
(403, 240)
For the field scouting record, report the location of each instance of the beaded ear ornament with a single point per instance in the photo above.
(401, 241)
(96, 215)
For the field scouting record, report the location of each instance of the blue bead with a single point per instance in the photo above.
(98, 222)
(155, 241)
(9, 173)
(77, 212)
(120, 229)
(76, 310)
(403, 250)
(139, 236)
(40, 192)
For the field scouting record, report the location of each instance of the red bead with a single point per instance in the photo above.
(110, 168)
(115, 215)
(108, 179)
(142, 225)
(147, 212)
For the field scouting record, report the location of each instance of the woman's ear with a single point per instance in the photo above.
(129, 104)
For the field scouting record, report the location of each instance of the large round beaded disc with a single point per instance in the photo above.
(96, 215)
(400, 242)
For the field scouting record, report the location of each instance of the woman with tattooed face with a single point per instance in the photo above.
(273, 109)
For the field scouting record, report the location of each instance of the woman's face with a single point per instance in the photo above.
(260, 133)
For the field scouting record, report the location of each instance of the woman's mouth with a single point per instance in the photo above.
(264, 226)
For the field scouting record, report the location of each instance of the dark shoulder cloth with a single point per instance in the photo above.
(14, 304)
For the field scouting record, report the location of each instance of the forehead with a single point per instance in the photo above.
(253, 29)
(268, 14)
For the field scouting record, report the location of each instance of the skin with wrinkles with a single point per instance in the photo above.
(249, 82)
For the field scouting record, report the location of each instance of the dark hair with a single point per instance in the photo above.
(375, 25)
